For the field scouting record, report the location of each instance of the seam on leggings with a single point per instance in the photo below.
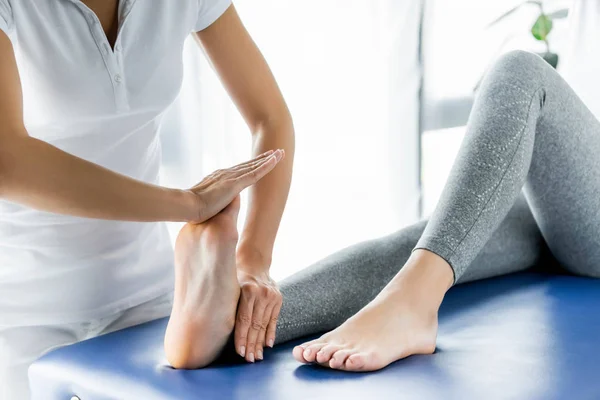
(480, 200)
(510, 169)
(503, 175)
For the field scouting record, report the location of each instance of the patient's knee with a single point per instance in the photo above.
(519, 60)
(520, 67)
(516, 74)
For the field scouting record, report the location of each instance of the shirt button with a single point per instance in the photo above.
(118, 78)
(118, 47)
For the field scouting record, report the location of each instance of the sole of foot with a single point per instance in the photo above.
(206, 290)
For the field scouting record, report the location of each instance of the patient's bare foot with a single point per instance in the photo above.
(206, 290)
(399, 322)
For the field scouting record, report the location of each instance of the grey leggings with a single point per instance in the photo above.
(525, 187)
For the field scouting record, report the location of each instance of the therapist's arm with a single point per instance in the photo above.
(39, 175)
(250, 83)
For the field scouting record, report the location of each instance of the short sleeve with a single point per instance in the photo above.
(6, 17)
(208, 12)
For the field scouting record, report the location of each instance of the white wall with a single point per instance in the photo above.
(459, 46)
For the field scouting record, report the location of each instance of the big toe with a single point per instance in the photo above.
(299, 350)
(297, 353)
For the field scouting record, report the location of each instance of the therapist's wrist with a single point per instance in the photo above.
(184, 205)
(252, 259)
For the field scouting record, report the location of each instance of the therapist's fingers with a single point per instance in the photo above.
(223, 186)
(233, 172)
(262, 333)
(253, 161)
(238, 178)
(244, 170)
(242, 324)
(272, 327)
(256, 326)
(248, 176)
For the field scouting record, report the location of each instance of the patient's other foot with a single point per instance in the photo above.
(206, 290)
(399, 322)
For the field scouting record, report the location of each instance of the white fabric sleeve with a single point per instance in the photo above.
(208, 12)
(6, 17)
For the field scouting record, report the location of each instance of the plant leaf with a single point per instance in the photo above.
(559, 14)
(542, 27)
(512, 10)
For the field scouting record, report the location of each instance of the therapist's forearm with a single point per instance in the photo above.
(39, 175)
(267, 199)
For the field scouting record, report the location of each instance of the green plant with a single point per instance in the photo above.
(542, 26)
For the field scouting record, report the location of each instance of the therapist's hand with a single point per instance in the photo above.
(219, 189)
(258, 311)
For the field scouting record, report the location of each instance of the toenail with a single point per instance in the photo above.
(307, 352)
(243, 351)
(251, 357)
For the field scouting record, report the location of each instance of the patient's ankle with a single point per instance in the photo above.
(425, 276)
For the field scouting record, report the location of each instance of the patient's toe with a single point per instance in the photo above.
(339, 358)
(310, 353)
(324, 355)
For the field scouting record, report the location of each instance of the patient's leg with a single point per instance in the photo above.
(321, 297)
(206, 290)
(528, 128)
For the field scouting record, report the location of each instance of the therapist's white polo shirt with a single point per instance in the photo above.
(104, 106)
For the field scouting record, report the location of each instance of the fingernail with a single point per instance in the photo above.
(243, 351)
(259, 355)
(279, 155)
(267, 152)
(251, 357)
(271, 342)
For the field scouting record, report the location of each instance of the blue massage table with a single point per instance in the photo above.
(523, 336)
